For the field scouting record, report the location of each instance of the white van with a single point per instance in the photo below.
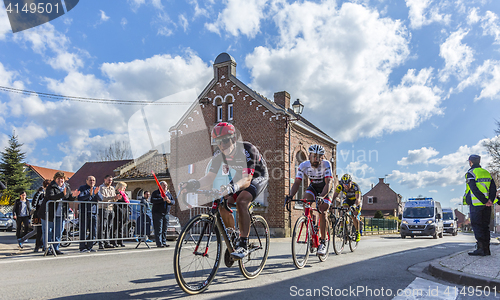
(450, 221)
(422, 217)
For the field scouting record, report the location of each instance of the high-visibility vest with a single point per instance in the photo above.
(483, 182)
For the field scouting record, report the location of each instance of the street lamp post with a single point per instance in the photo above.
(297, 107)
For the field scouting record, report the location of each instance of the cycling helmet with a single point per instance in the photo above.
(318, 149)
(223, 131)
(346, 179)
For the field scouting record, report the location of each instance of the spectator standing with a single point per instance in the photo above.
(480, 195)
(161, 209)
(22, 211)
(144, 218)
(57, 190)
(37, 203)
(88, 214)
(106, 214)
(121, 212)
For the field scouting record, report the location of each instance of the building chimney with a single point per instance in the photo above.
(283, 99)
(381, 180)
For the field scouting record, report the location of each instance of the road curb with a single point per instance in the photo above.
(436, 270)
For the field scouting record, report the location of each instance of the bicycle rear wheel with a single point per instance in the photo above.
(327, 243)
(258, 248)
(301, 240)
(338, 237)
(197, 254)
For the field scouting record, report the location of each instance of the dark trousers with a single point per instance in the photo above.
(160, 223)
(39, 237)
(119, 222)
(105, 225)
(88, 221)
(26, 222)
(480, 220)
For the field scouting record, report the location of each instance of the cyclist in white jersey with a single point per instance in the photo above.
(319, 172)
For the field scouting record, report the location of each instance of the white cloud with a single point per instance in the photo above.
(343, 57)
(491, 25)
(4, 23)
(473, 17)
(104, 17)
(422, 12)
(456, 201)
(183, 22)
(52, 45)
(418, 156)
(201, 11)
(360, 172)
(458, 57)
(4, 141)
(433, 191)
(29, 133)
(240, 17)
(487, 77)
(454, 167)
(123, 22)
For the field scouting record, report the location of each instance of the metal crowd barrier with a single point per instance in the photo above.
(101, 224)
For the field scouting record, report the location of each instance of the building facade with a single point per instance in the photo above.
(381, 197)
(281, 136)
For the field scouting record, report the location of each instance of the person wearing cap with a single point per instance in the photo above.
(480, 195)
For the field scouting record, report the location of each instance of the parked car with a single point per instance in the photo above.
(6, 222)
(174, 226)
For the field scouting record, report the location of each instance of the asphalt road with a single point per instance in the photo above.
(379, 265)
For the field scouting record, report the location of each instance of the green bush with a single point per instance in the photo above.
(379, 215)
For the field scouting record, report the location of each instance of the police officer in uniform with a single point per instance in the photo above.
(480, 195)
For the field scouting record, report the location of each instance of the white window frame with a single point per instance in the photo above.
(219, 113)
(370, 200)
(230, 112)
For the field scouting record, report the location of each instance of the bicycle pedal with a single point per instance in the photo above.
(228, 260)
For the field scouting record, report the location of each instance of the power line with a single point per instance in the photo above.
(87, 99)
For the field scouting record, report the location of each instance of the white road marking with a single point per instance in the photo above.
(80, 255)
(425, 289)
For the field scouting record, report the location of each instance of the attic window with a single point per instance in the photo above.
(219, 113)
(374, 199)
(370, 200)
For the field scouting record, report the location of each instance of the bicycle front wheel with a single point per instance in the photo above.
(338, 237)
(301, 240)
(258, 248)
(352, 238)
(197, 254)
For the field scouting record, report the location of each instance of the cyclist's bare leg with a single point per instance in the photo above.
(242, 203)
(323, 220)
(226, 215)
(356, 222)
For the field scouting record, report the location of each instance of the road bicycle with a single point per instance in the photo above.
(344, 230)
(198, 250)
(305, 238)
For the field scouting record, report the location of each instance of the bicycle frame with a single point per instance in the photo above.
(214, 213)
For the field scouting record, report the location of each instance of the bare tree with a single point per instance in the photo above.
(119, 150)
(493, 148)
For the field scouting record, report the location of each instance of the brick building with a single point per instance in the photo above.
(381, 197)
(281, 136)
(39, 174)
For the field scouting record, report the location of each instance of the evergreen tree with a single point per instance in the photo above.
(379, 215)
(12, 168)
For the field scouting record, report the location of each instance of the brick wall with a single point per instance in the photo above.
(388, 201)
(257, 125)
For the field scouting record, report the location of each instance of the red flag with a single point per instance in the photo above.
(159, 186)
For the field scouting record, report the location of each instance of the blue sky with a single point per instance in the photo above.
(414, 83)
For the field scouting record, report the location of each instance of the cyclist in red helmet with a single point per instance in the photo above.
(249, 181)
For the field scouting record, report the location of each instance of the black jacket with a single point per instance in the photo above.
(17, 208)
(160, 206)
(37, 202)
(53, 193)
